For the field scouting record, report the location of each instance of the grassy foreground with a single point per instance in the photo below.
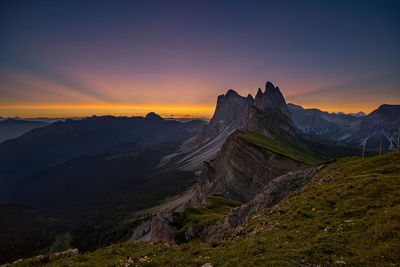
(349, 214)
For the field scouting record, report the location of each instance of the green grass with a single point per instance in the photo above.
(281, 146)
(212, 210)
(349, 214)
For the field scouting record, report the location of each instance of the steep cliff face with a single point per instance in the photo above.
(266, 114)
(229, 113)
(240, 171)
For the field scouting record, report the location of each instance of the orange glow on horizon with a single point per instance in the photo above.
(56, 111)
(166, 111)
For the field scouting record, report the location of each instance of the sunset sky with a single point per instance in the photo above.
(80, 58)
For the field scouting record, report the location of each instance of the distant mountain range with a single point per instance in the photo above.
(350, 129)
(91, 173)
(12, 128)
(51, 145)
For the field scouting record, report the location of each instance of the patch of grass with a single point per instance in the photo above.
(281, 146)
(350, 213)
(212, 210)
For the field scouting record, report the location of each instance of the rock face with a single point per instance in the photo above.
(142, 232)
(350, 129)
(266, 114)
(192, 232)
(245, 113)
(240, 171)
(161, 228)
(270, 195)
(158, 229)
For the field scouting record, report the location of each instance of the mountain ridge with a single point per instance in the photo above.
(267, 114)
(346, 129)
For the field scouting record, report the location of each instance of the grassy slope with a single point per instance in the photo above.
(281, 146)
(212, 210)
(352, 217)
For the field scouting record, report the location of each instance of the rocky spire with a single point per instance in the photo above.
(269, 86)
(231, 92)
(266, 111)
(272, 100)
(259, 93)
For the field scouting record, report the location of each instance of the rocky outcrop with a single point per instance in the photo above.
(240, 171)
(160, 228)
(192, 232)
(142, 232)
(270, 195)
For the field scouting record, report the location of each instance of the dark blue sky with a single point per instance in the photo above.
(122, 57)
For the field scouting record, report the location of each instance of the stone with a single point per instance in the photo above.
(192, 232)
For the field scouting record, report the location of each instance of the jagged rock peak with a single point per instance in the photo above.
(271, 98)
(231, 92)
(269, 86)
(259, 93)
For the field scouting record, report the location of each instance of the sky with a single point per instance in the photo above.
(83, 58)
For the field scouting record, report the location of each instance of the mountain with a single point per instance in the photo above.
(383, 123)
(358, 114)
(347, 129)
(245, 113)
(12, 128)
(49, 146)
(259, 144)
(267, 114)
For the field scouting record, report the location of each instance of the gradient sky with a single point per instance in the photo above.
(79, 58)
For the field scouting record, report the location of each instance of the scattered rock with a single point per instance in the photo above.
(191, 232)
(141, 233)
(158, 229)
(161, 228)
